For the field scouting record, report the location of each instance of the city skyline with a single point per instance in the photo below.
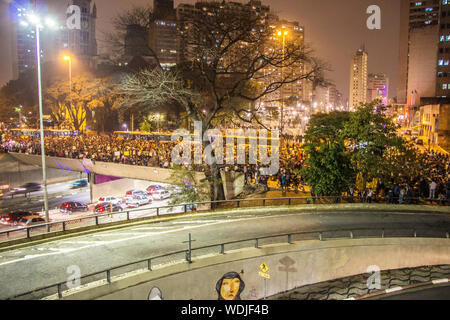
(324, 34)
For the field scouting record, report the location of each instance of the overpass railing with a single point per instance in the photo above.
(95, 220)
(107, 276)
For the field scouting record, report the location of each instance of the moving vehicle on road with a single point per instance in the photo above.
(110, 199)
(80, 183)
(31, 220)
(160, 195)
(27, 188)
(105, 207)
(153, 188)
(137, 200)
(69, 207)
(132, 193)
(14, 217)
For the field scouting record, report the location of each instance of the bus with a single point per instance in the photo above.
(167, 137)
(47, 132)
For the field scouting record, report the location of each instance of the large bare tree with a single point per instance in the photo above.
(230, 61)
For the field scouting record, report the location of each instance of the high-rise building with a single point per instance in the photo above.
(358, 78)
(83, 43)
(163, 33)
(378, 88)
(136, 41)
(424, 68)
(24, 37)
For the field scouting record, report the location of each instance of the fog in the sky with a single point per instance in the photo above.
(335, 29)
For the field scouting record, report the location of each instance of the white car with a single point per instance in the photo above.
(136, 201)
(160, 194)
(110, 199)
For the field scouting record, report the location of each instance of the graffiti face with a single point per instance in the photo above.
(230, 286)
(155, 294)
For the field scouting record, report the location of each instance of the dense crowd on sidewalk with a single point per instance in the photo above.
(432, 182)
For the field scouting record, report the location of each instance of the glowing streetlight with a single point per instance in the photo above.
(68, 58)
(34, 20)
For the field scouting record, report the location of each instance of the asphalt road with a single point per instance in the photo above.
(37, 266)
(57, 194)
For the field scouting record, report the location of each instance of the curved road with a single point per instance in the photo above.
(37, 266)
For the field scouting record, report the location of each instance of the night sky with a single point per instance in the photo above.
(335, 29)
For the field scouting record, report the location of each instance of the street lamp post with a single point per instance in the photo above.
(34, 20)
(41, 123)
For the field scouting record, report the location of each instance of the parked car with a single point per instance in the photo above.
(14, 217)
(419, 142)
(69, 207)
(137, 200)
(105, 207)
(80, 183)
(27, 188)
(31, 220)
(135, 193)
(154, 188)
(160, 194)
(110, 199)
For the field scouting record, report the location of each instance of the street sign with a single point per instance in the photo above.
(264, 275)
(264, 267)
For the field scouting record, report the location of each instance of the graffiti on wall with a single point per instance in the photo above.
(230, 286)
(155, 294)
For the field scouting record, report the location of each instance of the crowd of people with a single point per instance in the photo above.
(432, 182)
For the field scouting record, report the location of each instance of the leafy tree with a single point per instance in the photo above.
(20, 92)
(328, 169)
(193, 190)
(88, 98)
(373, 138)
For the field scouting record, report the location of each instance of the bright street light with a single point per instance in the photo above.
(33, 19)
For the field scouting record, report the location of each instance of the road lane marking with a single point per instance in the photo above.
(93, 245)
(194, 222)
(119, 234)
(150, 228)
(150, 234)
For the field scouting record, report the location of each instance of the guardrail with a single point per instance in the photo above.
(106, 275)
(127, 215)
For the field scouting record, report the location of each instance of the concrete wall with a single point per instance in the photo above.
(15, 173)
(307, 262)
(104, 168)
(422, 63)
(233, 184)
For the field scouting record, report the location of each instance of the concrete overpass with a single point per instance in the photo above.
(128, 173)
(303, 261)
